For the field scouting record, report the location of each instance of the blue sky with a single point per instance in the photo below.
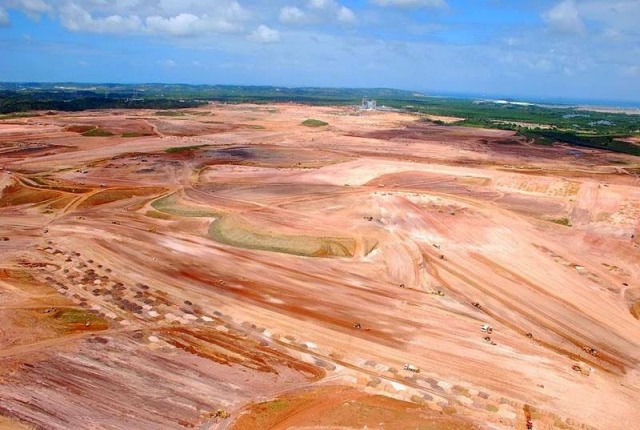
(587, 49)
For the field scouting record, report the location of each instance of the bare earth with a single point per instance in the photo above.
(272, 275)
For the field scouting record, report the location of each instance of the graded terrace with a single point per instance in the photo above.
(255, 266)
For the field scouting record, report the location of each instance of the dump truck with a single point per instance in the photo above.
(486, 328)
(412, 368)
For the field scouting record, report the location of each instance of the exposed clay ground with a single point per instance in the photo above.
(147, 289)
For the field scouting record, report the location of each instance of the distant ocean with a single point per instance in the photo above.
(560, 101)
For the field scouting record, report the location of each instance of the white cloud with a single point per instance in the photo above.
(320, 10)
(170, 17)
(291, 15)
(178, 18)
(184, 24)
(632, 70)
(264, 34)
(619, 15)
(223, 9)
(4, 18)
(74, 18)
(31, 7)
(346, 15)
(411, 3)
(612, 34)
(322, 4)
(565, 17)
(168, 63)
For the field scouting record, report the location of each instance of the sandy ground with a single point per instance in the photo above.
(232, 268)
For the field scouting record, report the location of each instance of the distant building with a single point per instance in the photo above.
(369, 104)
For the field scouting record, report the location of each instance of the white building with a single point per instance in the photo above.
(368, 104)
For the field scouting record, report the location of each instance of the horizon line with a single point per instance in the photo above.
(560, 101)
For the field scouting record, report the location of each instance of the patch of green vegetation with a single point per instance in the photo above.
(178, 149)
(562, 221)
(608, 142)
(461, 390)
(492, 408)
(97, 132)
(158, 215)
(134, 134)
(170, 113)
(79, 316)
(16, 115)
(171, 205)
(72, 316)
(71, 320)
(277, 405)
(256, 127)
(576, 126)
(541, 140)
(79, 128)
(314, 123)
(618, 162)
(227, 230)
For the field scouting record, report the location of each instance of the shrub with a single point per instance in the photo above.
(562, 221)
(178, 149)
(314, 123)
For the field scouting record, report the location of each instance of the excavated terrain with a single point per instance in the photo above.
(231, 268)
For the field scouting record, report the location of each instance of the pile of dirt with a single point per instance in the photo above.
(115, 194)
(231, 349)
(344, 408)
(632, 297)
(635, 310)
(16, 194)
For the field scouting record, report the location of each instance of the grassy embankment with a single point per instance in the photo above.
(314, 123)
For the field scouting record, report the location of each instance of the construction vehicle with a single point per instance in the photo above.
(411, 368)
(578, 368)
(221, 413)
(486, 328)
(488, 340)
